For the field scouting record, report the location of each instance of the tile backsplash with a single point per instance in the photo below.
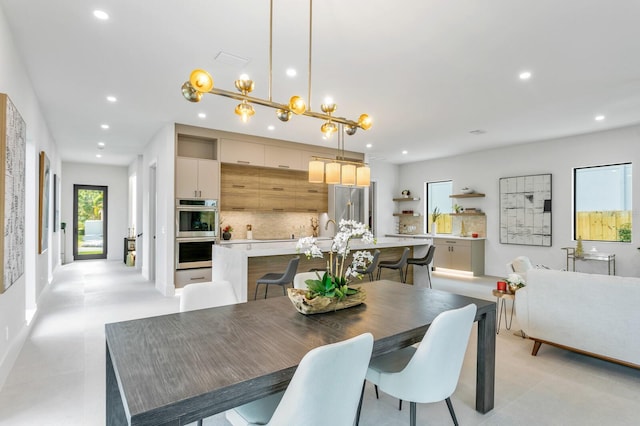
(266, 225)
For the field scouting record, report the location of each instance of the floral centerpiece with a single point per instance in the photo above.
(515, 281)
(333, 285)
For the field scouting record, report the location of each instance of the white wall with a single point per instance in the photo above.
(482, 171)
(23, 294)
(117, 180)
(160, 154)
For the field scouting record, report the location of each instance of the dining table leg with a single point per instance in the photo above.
(486, 361)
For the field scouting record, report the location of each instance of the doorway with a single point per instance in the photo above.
(89, 222)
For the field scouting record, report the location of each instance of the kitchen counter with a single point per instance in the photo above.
(242, 263)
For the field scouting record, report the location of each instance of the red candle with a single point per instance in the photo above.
(502, 286)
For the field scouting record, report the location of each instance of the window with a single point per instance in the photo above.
(438, 197)
(602, 203)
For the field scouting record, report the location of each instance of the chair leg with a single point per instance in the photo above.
(364, 382)
(399, 405)
(379, 272)
(429, 275)
(200, 422)
(376, 388)
(266, 290)
(255, 296)
(412, 413)
(284, 290)
(453, 414)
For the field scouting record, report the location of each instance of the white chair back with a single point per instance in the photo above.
(300, 278)
(325, 389)
(432, 373)
(207, 295)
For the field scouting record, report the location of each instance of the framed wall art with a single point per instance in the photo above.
(13, 136)
(43, 205)
(525, 210)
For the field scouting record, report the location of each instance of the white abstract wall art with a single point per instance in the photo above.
(13, 132)
(525, 210)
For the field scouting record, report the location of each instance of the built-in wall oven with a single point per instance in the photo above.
(196, 218)
(194, 252)
(197, 224)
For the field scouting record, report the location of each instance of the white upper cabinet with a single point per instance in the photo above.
(240, 152)
(282, 158)
(197, 178)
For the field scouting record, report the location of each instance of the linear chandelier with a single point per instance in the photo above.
(200, 82)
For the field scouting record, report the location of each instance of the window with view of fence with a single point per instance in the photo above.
(602, 208)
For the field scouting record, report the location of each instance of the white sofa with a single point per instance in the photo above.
(598, 315)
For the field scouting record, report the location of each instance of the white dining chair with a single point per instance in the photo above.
(430, 372)
(207, 295)
(299, 281)
(325, 389)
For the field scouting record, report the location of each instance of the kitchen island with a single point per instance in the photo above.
(242, 264)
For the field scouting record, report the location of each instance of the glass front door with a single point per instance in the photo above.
(89, 222)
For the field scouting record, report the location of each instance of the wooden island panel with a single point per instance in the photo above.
(258, 266)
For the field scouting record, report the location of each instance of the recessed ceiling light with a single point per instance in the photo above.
(599, 117)
(525, 75)
(291, 72)
(368, 145)
(100, 145)
(202, 115)
(112, 99)
(405, 152)
(271, 127)
(478, 132)
(98, 155)
(104, 126)
(101, 14)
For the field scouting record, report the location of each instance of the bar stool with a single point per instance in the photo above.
(372, 266)
(278, 279)
(395, 264)
(423, 261)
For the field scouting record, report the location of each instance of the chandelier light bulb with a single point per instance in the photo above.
(283, 115)
(201, 80)
(365, 122)
(328, 129)
(297, 105)
(245, 111)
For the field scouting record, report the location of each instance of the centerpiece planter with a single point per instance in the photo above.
(322, 304)
(331, 291)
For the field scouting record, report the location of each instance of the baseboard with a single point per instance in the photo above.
(14, 350)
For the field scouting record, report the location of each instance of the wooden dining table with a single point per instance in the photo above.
(177, 368)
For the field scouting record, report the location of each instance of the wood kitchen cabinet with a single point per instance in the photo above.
(197, 178)
(460, 254)
(266, 189)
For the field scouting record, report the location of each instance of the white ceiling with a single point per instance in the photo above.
(427, 71)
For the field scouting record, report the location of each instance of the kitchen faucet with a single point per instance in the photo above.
(326, 227)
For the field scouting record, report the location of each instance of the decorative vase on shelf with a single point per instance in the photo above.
(226, 235)
(434, 228)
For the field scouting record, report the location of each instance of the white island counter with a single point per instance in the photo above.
(243, 263)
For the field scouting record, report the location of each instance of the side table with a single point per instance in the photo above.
(501, 301)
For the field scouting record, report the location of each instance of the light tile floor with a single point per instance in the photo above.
(58, 378)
